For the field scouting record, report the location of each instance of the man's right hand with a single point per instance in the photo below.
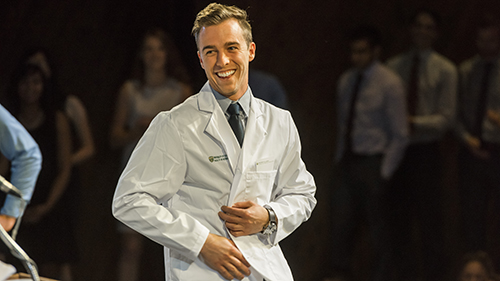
(222, 255)
(7, 222)
(474, 145)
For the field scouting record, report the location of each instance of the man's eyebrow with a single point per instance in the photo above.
(232, 43)
(208, 47)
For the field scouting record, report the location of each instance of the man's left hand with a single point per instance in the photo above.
(7, 222)
(244, 218)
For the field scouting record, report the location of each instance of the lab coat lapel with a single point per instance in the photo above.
(254, 135)
(218, 127)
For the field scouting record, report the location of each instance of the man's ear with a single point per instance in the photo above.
(201, 60)
(251, 49)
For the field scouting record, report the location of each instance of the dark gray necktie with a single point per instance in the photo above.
(351, 114)
(235, 121)
(413, 86)
(482, 100)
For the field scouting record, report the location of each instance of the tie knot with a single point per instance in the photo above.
(234, 109)
(359, 78)
(416, 58)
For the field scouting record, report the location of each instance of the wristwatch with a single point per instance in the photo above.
(271, 227)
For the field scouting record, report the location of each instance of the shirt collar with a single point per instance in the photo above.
(368, 70)
(423, 54)
(224, 102)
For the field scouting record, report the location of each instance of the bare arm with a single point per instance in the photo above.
(494, 116)
(120, 134)
(78, 116)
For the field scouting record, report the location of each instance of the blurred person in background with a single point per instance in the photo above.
(372, 140)
(18, 147)
(431, 82)
(159, 83)
(266, 86)
(47, 233)
(83, 146)
(476, 266)
(479, 134)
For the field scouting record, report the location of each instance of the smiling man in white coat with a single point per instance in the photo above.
(219, 180)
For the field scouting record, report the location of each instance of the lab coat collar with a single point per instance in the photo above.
(218, 127)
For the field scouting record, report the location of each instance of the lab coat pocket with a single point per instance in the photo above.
(264, 165)
(259, 186)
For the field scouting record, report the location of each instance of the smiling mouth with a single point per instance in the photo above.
(225, 74)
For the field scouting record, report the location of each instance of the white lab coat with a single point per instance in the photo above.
(188, 164)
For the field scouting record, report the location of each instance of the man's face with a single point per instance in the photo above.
(474, 271)
(488, 42)
(30, 88)
(154, 55)
(225, 56)
(424, 31)
(362, 54)
(41, 60)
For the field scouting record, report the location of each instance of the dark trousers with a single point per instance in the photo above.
(479, 183)
(359, 197)
(416, 212)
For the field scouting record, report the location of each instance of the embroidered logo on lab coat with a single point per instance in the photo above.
(217, 158)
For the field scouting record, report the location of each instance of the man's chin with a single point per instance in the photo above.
(227, 92)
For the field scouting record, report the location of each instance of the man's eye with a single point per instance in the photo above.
(232, 48)
(208, 52)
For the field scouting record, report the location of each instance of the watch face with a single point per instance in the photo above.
(271, 228)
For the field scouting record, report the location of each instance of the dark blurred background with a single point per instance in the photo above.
(94, 42)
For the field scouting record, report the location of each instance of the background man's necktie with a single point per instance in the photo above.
(350, 116)
(413, 86)
(482, 101)
(235, 121)
(412, 98)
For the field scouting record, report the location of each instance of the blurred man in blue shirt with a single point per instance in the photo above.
(17, 145)
(373, 134)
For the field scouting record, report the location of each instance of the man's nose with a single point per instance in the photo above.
(222, 59)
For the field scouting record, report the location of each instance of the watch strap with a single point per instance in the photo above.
(272, 225)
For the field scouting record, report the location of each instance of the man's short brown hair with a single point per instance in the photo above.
(216, 13)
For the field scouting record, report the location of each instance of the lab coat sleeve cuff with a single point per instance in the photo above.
(200, 241)
(271, 239)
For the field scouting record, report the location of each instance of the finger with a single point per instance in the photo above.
(243, 205)
(243, 265)
(228, 210)
(234, 269)
(234, 226)
(229, 218)
(233, 211)
(225, 273)
(237, 233)
(246, 263)
(223, 215)
(240, 256)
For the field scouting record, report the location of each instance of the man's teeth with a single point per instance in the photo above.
(225, 73)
